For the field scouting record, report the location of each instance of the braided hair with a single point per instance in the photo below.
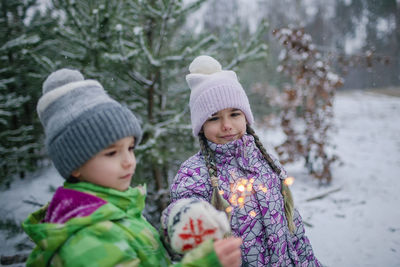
(216, 199)
(287, 195)
(219, 202)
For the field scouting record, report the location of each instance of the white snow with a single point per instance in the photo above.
(118, 27)
(358, 225)
(13, 203)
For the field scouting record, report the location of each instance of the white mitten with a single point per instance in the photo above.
(192, 221)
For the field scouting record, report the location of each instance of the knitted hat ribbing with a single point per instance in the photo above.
(80, 119)
(212, 90)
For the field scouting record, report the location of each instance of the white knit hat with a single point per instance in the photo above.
(212, 90)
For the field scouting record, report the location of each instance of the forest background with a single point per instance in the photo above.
(140, 52)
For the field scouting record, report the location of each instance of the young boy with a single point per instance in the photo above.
(95, 218)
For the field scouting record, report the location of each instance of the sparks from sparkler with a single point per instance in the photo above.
(289, 181)
(240, 190)
(243, 188)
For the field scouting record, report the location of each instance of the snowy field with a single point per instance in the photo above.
(357, 224)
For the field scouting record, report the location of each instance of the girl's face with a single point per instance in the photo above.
(225, 126)
(112, 167)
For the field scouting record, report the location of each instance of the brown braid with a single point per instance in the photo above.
(263, 151)
(287, 195)
(208, 156)
(216, 199)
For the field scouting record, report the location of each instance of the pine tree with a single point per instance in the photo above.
(140, 51)
(19, 87)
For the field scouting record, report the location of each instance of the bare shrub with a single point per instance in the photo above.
(307, 103)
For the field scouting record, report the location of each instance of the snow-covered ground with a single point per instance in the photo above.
(357, 225)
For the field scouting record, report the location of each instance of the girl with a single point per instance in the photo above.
(95, 219)
(234, 172)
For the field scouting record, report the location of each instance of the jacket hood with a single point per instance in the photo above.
(49, 237)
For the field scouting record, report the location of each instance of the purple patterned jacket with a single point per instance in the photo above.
(260, 219)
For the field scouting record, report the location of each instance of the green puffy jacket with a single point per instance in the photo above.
(104, 228)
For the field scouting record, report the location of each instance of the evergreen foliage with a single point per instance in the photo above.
(378, 63)
(20, 82)
(140, 51)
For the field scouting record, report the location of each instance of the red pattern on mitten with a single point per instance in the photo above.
(193, 221)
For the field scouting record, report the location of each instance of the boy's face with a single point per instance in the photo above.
(225, 126)
(112, 167)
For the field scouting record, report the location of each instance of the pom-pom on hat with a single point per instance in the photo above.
(80, 119)
(212, 90)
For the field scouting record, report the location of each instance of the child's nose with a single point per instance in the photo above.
(128, 160)
(226, 125)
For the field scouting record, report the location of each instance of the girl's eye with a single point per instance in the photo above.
(213, 119)
(235, 114)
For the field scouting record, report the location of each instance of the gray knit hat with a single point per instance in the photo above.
(80, 119)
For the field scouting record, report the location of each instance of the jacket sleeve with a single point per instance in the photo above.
(286, 247)
(302, 244)
(191, 181)
(101, 244)
(203, 255)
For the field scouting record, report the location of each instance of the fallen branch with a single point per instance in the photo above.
(323, 195)
(32, 202)
(308, 224)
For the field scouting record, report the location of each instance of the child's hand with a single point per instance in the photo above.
(193, 221)
(228, 251)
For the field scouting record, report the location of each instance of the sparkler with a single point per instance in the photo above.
(240, 190)
(243, 188)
